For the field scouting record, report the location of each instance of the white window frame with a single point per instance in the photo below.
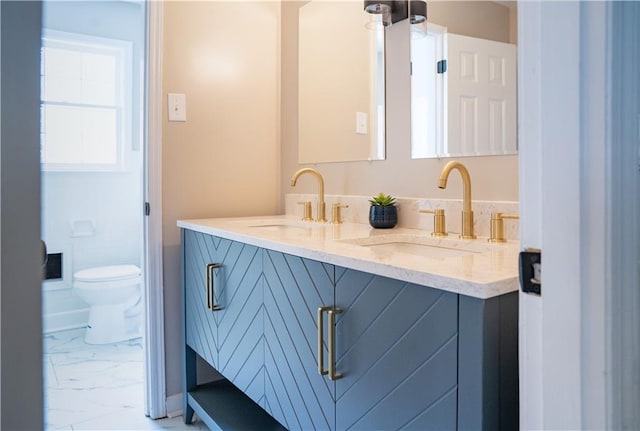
(122, 51)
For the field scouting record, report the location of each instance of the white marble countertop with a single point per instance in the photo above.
(468, 267)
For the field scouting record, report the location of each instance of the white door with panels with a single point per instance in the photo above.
(480, 107)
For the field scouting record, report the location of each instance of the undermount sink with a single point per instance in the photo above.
(279, 226)
(430, 251)
(428, 247)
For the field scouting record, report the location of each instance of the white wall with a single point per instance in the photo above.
(21, 394)
(113, 200)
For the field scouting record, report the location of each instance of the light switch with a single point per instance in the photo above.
(361, 123)
(177, 107)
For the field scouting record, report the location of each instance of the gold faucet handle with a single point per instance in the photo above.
(336, 217)
(497, 226)
(439, 223)
(307, 210)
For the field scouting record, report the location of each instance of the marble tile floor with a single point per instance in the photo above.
(97, 387)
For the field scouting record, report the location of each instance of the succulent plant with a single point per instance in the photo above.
(382, 200)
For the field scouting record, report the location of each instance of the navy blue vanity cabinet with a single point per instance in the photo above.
(240, 319)
(223, 297)
(397, 347)
(201, 323)
(307, 345)
(488, 363)
(394, 349)
(297, 395)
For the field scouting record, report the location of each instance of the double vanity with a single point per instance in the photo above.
(341, 326)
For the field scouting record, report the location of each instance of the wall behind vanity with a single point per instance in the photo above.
(493, 177)
(224, 160)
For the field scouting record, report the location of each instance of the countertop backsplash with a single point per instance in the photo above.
(409, 215)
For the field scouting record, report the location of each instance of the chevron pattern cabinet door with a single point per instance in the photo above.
(201, 323)
(295, 393)
(239, 291)
(397, 348)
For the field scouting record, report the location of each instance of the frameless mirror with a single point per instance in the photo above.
(463, 81)
(341, 90)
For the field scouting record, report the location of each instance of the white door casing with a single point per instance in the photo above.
(572, 196)
(428, 92)
(550, 220)
(155, 379)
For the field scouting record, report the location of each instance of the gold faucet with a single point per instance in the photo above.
(321, 204)
(497, 226)
(467, 213)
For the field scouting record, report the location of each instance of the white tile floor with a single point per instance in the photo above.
(97, 387)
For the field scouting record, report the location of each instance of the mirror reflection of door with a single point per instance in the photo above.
(463, 86)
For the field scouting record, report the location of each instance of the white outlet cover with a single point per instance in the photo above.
(361, 123)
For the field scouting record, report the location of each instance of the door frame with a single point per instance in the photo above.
(570, 342)
(553, 151)
(154, 346)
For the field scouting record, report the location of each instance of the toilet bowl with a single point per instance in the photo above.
(113, 294)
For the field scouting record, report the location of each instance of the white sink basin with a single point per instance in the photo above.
(429, 251)
(279, 226)
(423, 246)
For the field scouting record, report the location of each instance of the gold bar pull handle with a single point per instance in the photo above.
(321, 311)
(332, 344)
(211, 297)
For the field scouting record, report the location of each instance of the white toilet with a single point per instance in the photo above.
(114, 293)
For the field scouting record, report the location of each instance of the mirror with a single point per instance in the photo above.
(341, 91)
(463, 80)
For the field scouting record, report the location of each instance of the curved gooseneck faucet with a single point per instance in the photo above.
(321, 204)
(467, 213)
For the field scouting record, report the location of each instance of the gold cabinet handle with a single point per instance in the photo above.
(332, 344)
(321, 369)
(211, 298)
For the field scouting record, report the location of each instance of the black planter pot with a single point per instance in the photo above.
(383, 217)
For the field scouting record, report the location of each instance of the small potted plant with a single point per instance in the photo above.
(383, 212)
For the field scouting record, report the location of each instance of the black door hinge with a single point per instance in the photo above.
(147, 208)
(442, 66)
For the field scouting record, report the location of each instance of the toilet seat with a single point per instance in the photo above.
(107, 273)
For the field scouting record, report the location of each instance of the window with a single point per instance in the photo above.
(86, 95)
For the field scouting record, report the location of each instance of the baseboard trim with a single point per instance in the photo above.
(64, 320)
(174, 405)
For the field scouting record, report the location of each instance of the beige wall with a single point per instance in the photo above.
(334, 84)
(224, 160)
(482, 19)
(493, 177)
